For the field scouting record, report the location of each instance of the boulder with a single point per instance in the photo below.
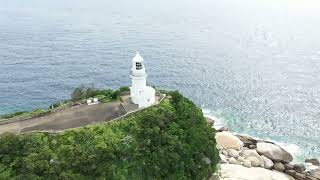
(290, 172)
(274, 152)
(257, 158)
(251, 146)
(223, 158)
(224, 152)
(315, 173)
(228, 140)
(233, 160)
(300, 176)
(311, 178)
(299, 168)
(246, 163)
(254, 161)
(247, 140)
(210, 121)
(233, 153)
(279, 167)
(241, 159)
(268, 164)
(288, 166)
(223, 129)
(314, 162)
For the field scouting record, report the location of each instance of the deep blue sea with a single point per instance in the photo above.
(253, 64)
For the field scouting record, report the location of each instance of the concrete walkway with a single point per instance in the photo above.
(74, 117)
(68, 118)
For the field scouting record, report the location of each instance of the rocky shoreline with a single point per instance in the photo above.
(249, 152)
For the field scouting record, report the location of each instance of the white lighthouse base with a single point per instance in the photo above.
(143, 98)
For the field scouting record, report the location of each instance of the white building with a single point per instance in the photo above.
(141, 94)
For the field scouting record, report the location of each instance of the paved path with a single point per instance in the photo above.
(68, 118)
(74, 117)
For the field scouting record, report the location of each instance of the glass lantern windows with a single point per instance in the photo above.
(138, 65)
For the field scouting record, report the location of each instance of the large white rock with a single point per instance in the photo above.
(274, 152)
(254, 157)
(239, 172)
(229, 141)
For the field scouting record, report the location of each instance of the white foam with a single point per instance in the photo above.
(206, 111)
(291, 148)
(218, 122)
(310, 167)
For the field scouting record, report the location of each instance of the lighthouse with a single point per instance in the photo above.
(140, 93)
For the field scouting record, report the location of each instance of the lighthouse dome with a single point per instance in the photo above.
(137, 58)
(138, 69)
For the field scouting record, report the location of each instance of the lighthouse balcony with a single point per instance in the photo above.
(138, 73)
(138, 77)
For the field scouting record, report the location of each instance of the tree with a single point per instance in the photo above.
(78, 93)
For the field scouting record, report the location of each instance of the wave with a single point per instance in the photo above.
(218, 122)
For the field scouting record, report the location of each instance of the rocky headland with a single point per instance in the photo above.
(246, 158)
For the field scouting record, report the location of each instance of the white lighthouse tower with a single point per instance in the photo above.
(141, 94)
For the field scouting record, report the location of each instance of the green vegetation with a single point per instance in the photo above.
(34, 113)
(168, 141)
(11, 115)
(108, 95)
(65, 103)
(79, 94)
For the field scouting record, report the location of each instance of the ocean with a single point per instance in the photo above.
(252, 64)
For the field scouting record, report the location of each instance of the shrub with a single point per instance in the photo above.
(124, 88)
(55, 105)
(100, 96)
(11, 115)
(91, 92)
(38, 112)
(115, 94)
(78, 93)
(83, 92)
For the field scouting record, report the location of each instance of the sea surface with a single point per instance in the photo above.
(252, 64)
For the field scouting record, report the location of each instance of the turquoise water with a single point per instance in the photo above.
(253, 64)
